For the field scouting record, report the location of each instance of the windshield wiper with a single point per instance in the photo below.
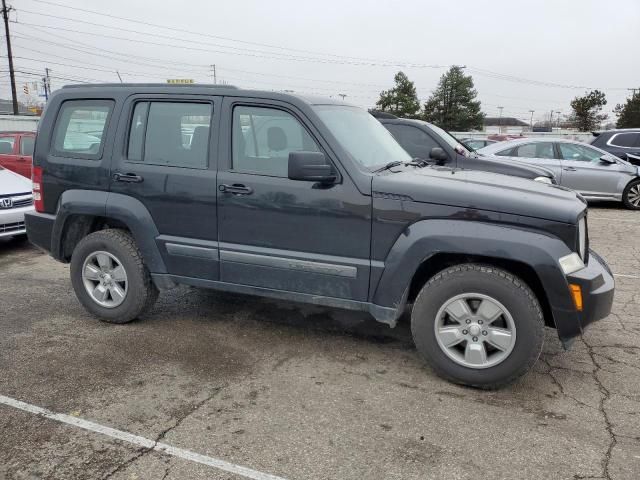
(389, 165)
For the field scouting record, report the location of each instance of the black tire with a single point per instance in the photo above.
(507, 289)
(141, 292)
(635, 185)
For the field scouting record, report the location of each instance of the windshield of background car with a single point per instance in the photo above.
(452, 141)
(361, 135)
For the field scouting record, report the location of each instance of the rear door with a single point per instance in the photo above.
(282, 234)
(583, 171)
(167, 161)
(25, 154)
(542, 154)
(9, 153)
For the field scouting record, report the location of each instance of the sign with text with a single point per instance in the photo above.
(180, 80)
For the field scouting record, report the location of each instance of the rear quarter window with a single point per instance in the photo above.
(80, 128)
(627, 140)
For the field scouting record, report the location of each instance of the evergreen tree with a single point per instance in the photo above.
(401, 100)
(453, 104)
(587, 110)
(629, 113)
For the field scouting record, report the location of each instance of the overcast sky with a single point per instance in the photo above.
(335, 47)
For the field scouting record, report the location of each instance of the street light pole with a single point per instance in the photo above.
(531, 119)
(500, 120)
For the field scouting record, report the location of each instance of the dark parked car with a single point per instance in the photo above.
(308, 200)
(428, 142)
(623, 143)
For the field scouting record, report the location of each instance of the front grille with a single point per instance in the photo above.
(16, 201)
(23, 202)
(11, 227)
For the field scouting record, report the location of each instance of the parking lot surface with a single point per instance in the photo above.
(303, 392)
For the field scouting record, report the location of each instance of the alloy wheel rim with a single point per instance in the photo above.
(634, 195)
(475, 330)
(105, 279)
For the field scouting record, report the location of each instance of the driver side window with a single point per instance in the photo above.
(264, 137)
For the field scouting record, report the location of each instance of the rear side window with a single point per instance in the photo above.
(175, 134)
(264, 137)
(6, 144)
(535, 150)
(625, 140)
(26, 145)
(416, 142)
(80, 128)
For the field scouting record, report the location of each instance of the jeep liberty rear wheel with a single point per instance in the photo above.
(478, 325)
(110, 278)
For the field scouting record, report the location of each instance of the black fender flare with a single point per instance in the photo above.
(123, 208)
(426, 238)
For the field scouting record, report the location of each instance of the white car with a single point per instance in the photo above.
(15, 200)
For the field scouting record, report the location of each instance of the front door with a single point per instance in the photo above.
(167, 162)
(583, 171)
(283, 234)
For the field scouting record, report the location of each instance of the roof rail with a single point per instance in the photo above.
(180, 85)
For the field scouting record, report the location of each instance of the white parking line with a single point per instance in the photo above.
(139, 441)
(625, 276)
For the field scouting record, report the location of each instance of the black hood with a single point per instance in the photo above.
(483, 191)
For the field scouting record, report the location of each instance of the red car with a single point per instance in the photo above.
(16, 150)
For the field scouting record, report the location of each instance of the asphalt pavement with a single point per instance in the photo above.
(217, 386)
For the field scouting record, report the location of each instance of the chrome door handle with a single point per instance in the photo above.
(570, 169)
(235, 189)
(127, 177)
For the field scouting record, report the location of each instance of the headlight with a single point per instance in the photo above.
(571, 263)
(582, 237)
(543, 180)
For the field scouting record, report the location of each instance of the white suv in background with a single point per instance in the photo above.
(15, 200)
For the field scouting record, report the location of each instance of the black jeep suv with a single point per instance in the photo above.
(142, 187)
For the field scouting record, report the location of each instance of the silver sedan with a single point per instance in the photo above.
(596, 174)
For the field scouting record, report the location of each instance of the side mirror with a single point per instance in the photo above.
(607, 159)
(310, 167)
(438, 154)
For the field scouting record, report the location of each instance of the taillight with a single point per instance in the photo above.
(36, 179)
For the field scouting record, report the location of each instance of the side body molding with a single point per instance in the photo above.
(426, 238)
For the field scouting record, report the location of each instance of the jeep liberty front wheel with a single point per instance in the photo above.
(478, 325)
(109, 277)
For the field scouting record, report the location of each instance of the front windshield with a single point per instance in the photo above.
(452, 141)
(361, 135)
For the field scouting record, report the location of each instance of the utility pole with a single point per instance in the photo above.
(12, 75)
(500, 120)
(531, 111)
(551, 120)
(47, 84)
(342, 95)
(213, 74)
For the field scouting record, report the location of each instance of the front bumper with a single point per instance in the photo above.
(12, 221)
(598, 286)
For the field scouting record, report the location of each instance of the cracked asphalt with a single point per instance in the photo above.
(304, 392)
